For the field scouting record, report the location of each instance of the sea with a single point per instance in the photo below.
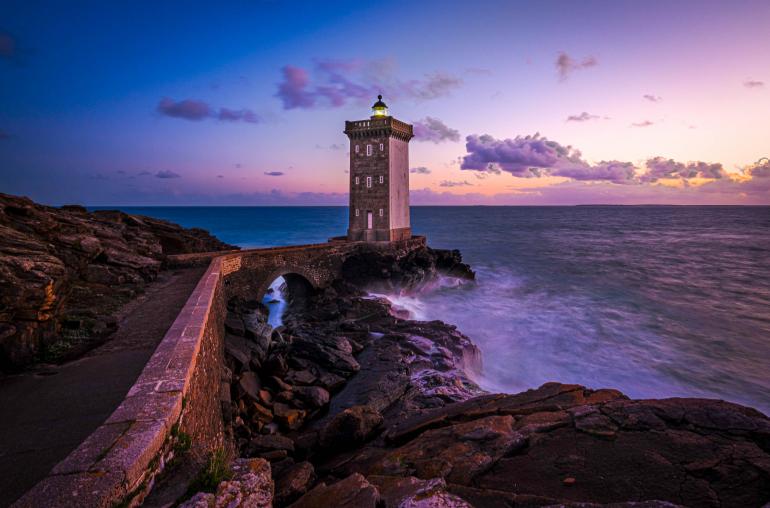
(656, 301)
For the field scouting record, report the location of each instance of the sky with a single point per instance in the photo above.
(513, 103)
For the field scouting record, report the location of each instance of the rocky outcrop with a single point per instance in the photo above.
(251, 486)
(355, 405)
(65, 271)
(374, 269)
(564, 444)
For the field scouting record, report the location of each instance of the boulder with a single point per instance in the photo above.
(234, 324)
(331, 352)
(300, 377)
(238, 350)
(272, 442)
(411, 492)
(294, 482)
(260, 334)
(250, 385)
(352, 492)
(351, 427)
(313, 396)
(290, 418)
(261, 413)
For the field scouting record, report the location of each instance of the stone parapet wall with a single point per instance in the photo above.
(177, 397)
(177, 394)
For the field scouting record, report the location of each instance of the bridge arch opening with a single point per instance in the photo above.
(289, 291)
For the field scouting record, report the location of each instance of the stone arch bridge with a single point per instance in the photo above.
(249, 273)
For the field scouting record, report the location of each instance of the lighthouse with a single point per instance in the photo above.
(379, 177)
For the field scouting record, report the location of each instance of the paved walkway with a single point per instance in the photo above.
(46, 414)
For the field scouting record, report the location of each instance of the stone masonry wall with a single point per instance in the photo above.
(177, 394)
(369, 199)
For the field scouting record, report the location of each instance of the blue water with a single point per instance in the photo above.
(655, 301)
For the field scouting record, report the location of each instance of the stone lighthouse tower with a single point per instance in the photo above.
(379, 177)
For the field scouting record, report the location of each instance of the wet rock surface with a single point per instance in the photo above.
(355, 405)
(65, 271)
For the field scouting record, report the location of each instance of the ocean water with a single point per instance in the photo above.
(658, 301)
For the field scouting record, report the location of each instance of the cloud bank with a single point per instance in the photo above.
(335, 83)
(167, 174)
(537, 156)
(659, 168)
(196, 111)
(434, 130)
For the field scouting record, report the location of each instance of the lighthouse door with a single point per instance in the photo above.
(369, 220)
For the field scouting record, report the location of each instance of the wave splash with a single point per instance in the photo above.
(531, 332)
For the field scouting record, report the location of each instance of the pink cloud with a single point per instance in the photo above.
(334, 83)
(434, 130)
(566, 65)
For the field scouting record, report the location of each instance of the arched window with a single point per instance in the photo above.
(368, 149)
(368, 181)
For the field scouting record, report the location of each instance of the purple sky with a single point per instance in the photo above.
(512, 102)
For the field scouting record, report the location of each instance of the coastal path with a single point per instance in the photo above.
(48, 412)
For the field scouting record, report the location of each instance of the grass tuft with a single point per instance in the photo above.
(217, 470)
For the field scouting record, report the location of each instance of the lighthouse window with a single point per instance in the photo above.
(368, 149)
(356, 148)
(381, 181)
(380, 212)
(368, 181)
(382, 147)
(356, 180)
(356, 212)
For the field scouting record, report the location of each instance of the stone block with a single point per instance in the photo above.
(91, 450)
(97, 490)
(155, 406)
(133, 451)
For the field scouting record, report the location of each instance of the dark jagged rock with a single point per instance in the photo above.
(406, 425)
(314, 396)
(568, 444)
(373, 269)
(351, 427)
(352, 492)
(65, 271)
(409, 491)
(261, 443)
(294, 482)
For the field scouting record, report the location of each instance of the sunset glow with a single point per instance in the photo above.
(548, 103)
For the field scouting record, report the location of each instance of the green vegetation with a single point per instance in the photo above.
(217, 469)
(183, 441)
